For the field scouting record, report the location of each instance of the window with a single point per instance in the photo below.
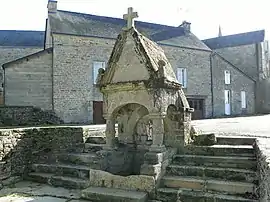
(182, 76)
(243, 100)
(227, 77)
(96, 67)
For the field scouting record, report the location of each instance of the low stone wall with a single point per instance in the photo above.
(20, 148)
(263, 158)
(26, 116)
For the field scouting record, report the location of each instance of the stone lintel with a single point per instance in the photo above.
(127, 86)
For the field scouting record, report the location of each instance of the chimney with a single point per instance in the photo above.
(186, 26)
(52, 6)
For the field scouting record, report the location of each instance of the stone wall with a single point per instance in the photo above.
(26, 116)
(263, 157)
(20, 148)
(197, 63)
(239, 82)
(263, 95)
(12, 53)
(74, 90)
(244, 57)
(28, 81)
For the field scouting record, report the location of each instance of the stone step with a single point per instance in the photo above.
(39, 177)
(93, 147)
(96, 139)
(229, 187)
(242, 175)
(216, 161)
(235, 140)
(113, 195)
(189, 195)
(69, 182)
(221, 150)
(63, 169)
(58, 181)
(87, 159)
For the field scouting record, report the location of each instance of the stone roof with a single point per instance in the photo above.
(188, 40)
(149, 52)
(66, 22)
(21, 38)
(235, 40)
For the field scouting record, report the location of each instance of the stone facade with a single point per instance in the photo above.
(74, 90)
(238, 82)
(197, 63)
(9, 54)
(28, 81)
(244, 57)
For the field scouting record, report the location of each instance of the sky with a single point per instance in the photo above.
(234, 16)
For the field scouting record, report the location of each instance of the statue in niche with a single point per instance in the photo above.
(144, 130)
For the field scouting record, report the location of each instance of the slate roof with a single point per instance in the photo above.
(21, 38)
(235, 40)
(150, 52)
(67, 22)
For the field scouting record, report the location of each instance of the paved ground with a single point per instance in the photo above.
(35, 192)
(258, 126)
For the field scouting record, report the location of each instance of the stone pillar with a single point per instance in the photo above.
(110, 133)
(157, 133)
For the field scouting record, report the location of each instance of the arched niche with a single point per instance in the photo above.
(127, 117)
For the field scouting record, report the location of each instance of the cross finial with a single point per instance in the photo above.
(129, 17)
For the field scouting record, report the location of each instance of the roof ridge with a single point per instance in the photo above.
(7, 30)
(238, 34)
(119, 19)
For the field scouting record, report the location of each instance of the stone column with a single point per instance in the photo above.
(110, 133)
(157, 132)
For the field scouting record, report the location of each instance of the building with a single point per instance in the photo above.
(220, 76)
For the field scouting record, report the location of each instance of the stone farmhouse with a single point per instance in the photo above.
(57, 70)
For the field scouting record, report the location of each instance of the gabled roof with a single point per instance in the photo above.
(235, 40)
(48, 50)
(150, 53)
(21, 38)
(66, 22)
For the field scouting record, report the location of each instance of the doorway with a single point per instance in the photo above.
(98, 112)
(227, 99)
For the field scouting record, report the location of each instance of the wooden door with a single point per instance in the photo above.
(198, 106)
(98, 112)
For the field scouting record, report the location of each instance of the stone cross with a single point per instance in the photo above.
(129, 17)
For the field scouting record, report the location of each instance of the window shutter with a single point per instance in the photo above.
(185, 77)
(243, 100)
(182, 76)
(227, 77)
(96, 67)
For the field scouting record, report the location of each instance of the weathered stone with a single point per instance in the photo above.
(205, 139)
(27, 116)
(113, 195)
(100, 178)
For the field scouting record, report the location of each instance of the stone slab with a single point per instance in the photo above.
(36, 189)
(18, 198)
(100, 178)
(113, 195)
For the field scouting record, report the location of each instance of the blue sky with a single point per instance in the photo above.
(234, 16)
